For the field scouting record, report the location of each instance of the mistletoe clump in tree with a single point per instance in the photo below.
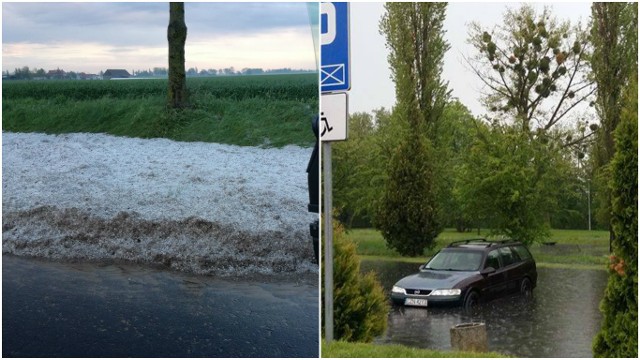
(535, 70)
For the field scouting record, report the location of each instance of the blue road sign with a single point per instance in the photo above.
(334, 47)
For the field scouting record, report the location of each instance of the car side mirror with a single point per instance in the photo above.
(487, 271)
(421, 267)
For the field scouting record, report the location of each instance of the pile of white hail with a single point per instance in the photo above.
(197, 207)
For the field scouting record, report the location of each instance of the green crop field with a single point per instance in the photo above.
(275, 87)
(264, 110)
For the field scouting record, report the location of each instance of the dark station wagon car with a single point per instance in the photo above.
(469, 271)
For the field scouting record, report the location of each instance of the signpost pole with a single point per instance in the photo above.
(328, 243)
(335, 75)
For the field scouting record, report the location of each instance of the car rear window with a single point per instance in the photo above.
(522, 252)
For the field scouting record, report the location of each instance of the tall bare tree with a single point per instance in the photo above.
(177, 36)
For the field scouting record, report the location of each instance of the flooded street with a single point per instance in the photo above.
(559, 321)
(87, 310)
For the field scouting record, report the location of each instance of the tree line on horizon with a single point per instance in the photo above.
(26, 73)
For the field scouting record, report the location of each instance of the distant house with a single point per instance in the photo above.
(85, 76)
(56, 74)
(116, 74)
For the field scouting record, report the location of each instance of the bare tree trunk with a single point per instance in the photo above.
(177, 36)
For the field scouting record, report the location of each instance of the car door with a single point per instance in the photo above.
(511, 269)
(494, 282)
(527, 266)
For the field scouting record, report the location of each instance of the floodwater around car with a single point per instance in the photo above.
(82, 310)
(560, 320)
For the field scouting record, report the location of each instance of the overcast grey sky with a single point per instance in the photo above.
(95, 36)
(371, 86)
(91, 37)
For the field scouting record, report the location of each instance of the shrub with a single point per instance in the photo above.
(619, 334)
(360, 306)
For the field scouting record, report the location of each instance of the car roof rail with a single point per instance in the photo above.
(484, 241)
(467, 241)
(505, 241)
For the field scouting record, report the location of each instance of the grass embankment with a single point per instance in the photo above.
(270, 110)
(579, 249)
(341, 349)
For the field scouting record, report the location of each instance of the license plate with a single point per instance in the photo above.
(415, 302)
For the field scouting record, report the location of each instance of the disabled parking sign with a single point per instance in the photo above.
(333, 117)
(334, 47)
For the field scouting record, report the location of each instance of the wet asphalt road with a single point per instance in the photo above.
(85, 310)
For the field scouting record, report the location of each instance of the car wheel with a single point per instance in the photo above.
(471, 300)
(526, 288)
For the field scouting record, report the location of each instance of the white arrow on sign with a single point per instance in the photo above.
(333, 117)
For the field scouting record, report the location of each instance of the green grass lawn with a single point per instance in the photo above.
(573, 248)
(341, 349)
(269, 111)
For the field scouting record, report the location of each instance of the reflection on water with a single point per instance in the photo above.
(559, 321)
